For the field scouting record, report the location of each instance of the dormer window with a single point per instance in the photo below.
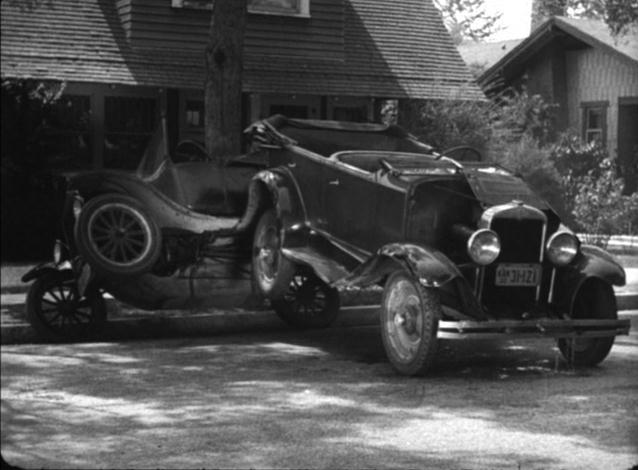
(298, 8)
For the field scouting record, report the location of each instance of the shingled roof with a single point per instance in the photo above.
(410, 55)
(590, 32)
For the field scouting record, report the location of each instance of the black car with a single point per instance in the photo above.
(463, 248)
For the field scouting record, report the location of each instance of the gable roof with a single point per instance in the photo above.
(392, 49)
(486, 54)
(592, 33)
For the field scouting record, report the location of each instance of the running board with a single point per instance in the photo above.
(532, 328)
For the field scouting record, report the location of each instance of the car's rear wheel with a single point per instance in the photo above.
(272, 272)
(57, 311)
(410, 316)
(308, 303)
(595, 300)
(116, 235)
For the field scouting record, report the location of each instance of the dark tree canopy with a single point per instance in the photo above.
(620, 15)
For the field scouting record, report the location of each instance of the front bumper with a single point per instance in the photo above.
(544, 327)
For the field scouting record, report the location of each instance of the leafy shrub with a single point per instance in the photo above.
(593, 190)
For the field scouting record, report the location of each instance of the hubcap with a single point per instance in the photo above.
(404, 319)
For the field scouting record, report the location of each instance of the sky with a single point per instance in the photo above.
(515, 20)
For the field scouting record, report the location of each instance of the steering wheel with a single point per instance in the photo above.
(463, 153)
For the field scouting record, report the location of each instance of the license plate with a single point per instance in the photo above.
(518, 275)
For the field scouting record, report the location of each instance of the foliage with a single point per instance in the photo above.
(619, 15)
(467, 19)
(593, 190)
(448, 123)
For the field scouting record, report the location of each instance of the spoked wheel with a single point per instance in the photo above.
(57, 312)
(116, 235)
(272, 272)
(595, 300)
(308, 303)
(410, 316)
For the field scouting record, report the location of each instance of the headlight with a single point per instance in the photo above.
(77, 207)
(562, 248)
(57, 252)
(484, 246)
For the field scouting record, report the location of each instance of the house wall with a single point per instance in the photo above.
(154, 23)
(594, 75)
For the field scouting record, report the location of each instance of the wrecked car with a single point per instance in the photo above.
(462, 247)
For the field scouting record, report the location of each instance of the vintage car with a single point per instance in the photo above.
(175, 233)
(463, 247)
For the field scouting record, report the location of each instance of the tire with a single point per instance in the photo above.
(308, 303)
(56, 311)
(595, 300)
(410, 316)
(272, 272)
(116, 235)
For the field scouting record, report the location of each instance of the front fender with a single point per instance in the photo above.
(591, 263)
(40, 271)
(431, 267)
(275, 188)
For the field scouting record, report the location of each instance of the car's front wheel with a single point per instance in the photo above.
(272, 272)
(410, 316)
(308, 303)
(116, 235)
(595, 300)
(57, 311)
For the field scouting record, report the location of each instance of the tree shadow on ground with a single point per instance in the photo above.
(307, 399)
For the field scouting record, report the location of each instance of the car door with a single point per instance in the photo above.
(349, 205)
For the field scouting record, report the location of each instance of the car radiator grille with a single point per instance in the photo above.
(522, 242)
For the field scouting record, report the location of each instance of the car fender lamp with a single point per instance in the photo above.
(562, 248)
(484, 246)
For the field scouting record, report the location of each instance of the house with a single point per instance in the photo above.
(123, 62)
(591, 76)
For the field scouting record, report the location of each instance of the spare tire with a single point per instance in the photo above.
(116, 235)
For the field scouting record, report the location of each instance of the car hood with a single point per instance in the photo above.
(493, 186)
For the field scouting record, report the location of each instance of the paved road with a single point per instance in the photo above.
(321, 399)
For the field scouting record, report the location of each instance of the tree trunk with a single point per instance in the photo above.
(223, 86)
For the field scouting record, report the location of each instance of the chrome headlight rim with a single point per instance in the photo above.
(559, 252)
(484, 246)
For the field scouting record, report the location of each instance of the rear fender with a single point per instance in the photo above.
(167, 213)
(431, 267)
(277, 189)
(591, 263)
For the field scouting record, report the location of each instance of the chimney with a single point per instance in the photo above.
(544, 9)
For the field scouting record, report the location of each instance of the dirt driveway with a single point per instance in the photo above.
(324, 399)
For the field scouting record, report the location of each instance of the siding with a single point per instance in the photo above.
(593, 75)
(156, 24)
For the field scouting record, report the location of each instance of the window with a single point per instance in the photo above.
(67, 135)
(194, 114)
(595, 122)
(300, 8)
(128, 125)
(280, 7)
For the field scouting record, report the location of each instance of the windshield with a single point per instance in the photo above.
(156, 152)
